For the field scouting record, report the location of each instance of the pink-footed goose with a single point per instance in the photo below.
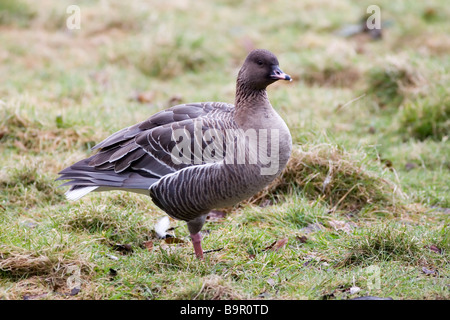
(196, 157)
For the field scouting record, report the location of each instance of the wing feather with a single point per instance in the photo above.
(145, 149)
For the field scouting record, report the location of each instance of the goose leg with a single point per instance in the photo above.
(197, 242)
(194, 227)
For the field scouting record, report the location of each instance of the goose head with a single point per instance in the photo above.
(260, 69)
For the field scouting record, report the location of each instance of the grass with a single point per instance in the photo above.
(343, 181)
(365, 196)
(390, 83)
(426, 118)
(15, 13)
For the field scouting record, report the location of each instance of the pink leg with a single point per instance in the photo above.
(197, 242)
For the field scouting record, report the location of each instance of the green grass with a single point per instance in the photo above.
(424, 119)
(17, 13)
(366, 191)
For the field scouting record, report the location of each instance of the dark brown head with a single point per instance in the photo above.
(261, 69)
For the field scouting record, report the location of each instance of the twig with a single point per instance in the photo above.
(340, 106)
(209, 251)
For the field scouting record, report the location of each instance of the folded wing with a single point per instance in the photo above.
(136, 157)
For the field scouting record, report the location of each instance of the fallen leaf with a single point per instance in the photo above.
(434, 248)
(428, 271)
(277, 245)
(144, 97)
(280, 243)
(173, 240)
(123, 248)
(74, 291)
(387, 162)
(112, 273)
(269, 247)
(302, 239)
(148, 245)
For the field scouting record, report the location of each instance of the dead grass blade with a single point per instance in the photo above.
(338, 177)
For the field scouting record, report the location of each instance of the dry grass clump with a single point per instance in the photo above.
(213, 287)
(41, 275)
(427, 117)
(394, 80)
(168, 57)
(336, 176)
(28, 185)
(337, 72)
(28, 135)
(332, 77)
(331, 64)
(17, 261)
(432, 44)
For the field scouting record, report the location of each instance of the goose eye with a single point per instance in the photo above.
(260, 63)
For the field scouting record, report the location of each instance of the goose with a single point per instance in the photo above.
(196, 157)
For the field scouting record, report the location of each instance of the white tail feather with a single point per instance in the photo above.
(79, 192)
